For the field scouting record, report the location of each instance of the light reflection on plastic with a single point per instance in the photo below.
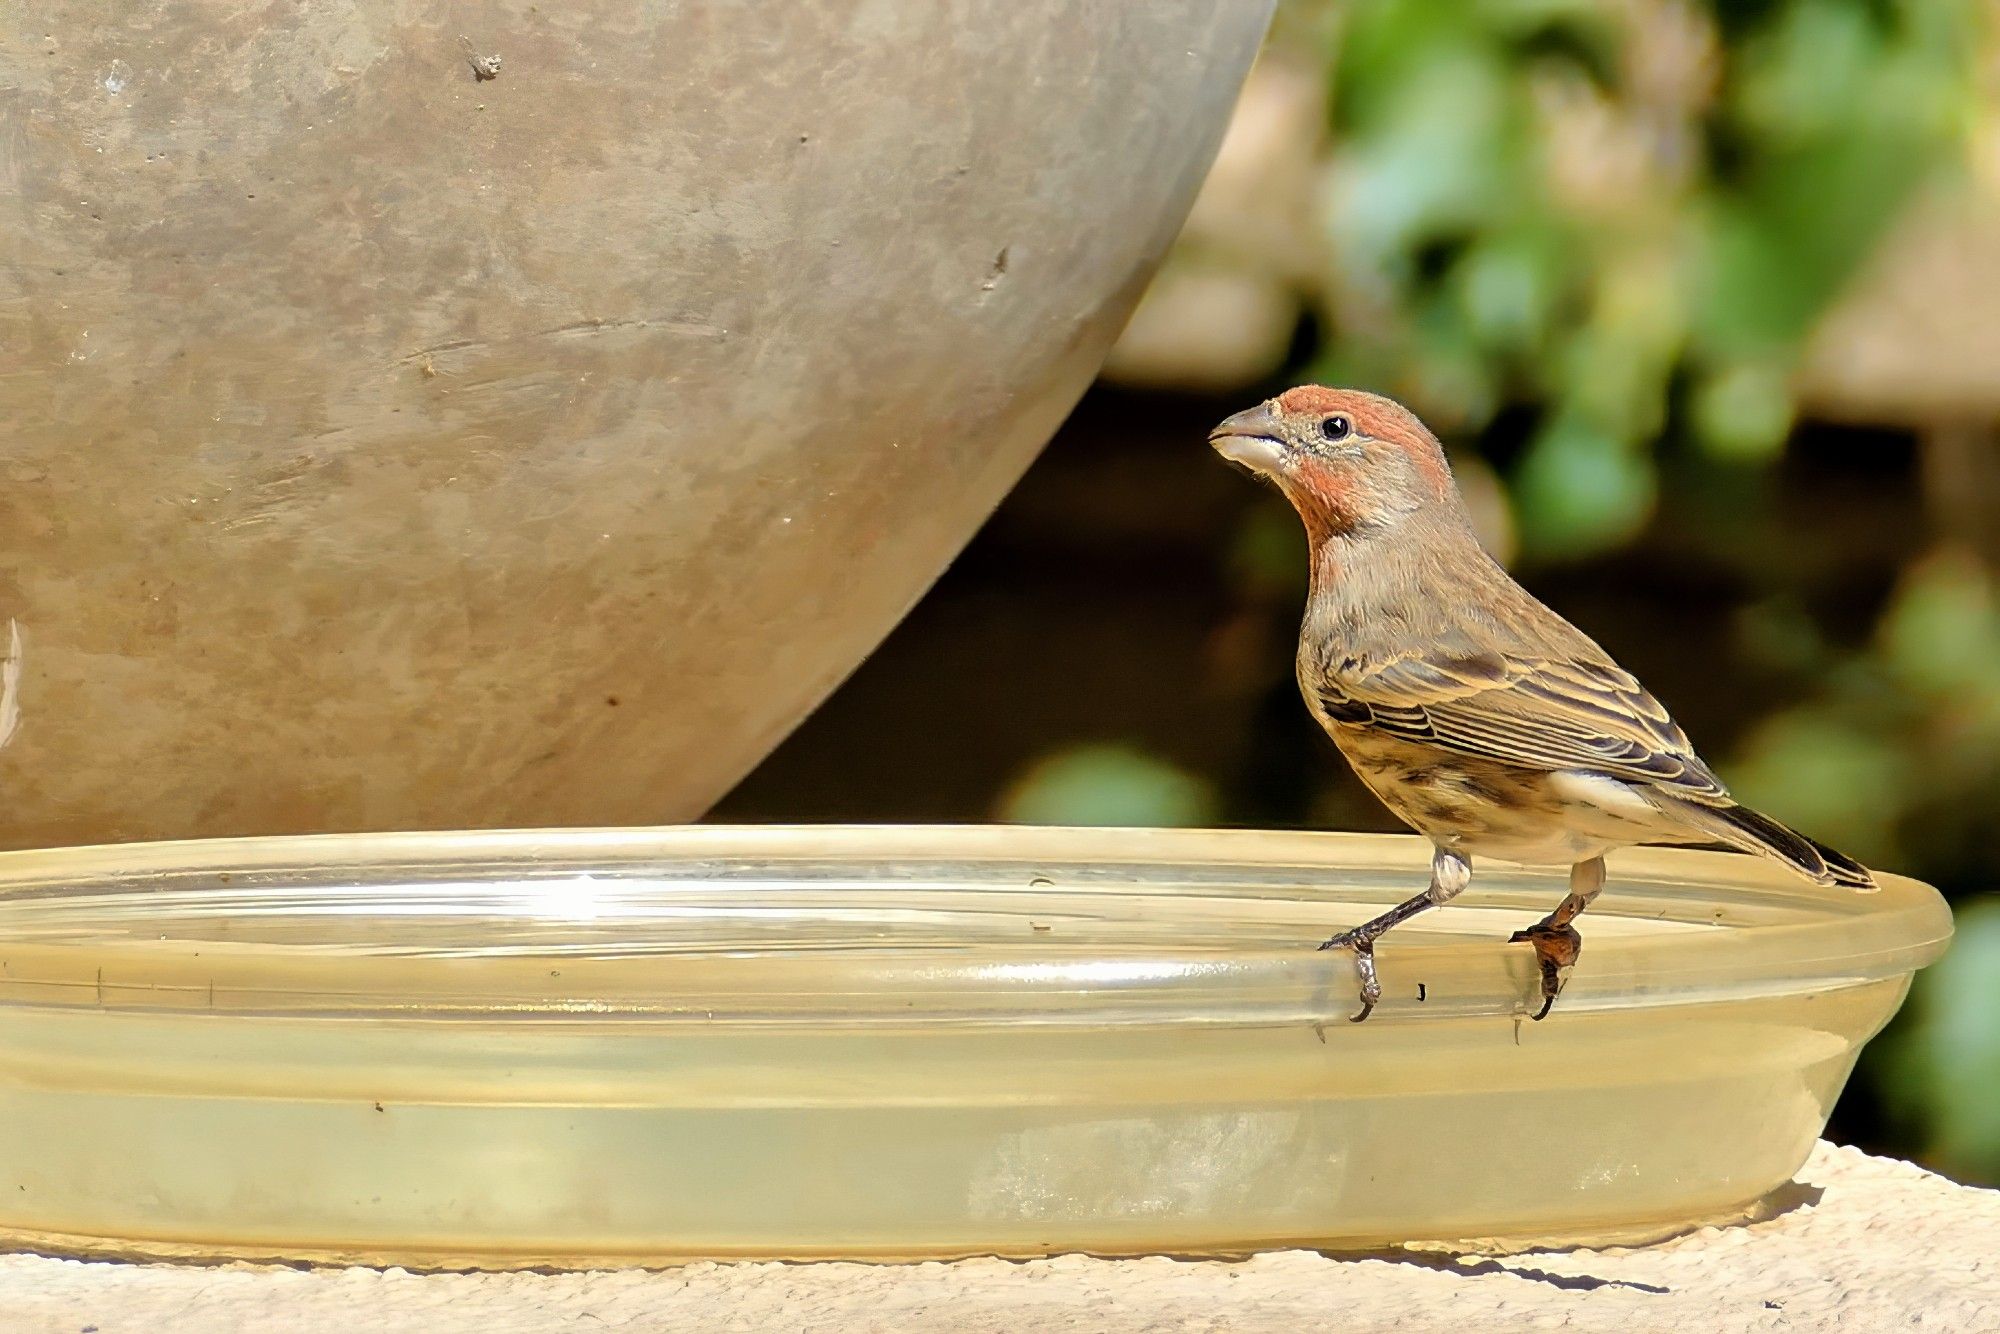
(1102, 972)
(574, 900)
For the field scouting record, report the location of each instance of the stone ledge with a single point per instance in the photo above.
(1878, 1244)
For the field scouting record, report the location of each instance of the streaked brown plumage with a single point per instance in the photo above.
(1485, 721)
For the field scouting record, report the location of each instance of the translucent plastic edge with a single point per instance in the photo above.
(1909, 926)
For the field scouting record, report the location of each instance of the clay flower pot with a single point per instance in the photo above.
(388, 445)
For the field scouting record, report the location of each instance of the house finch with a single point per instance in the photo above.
(1485, 721)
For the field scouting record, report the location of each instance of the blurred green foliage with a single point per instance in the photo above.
(1902, 737)
(1625, 216)
(1112, 785)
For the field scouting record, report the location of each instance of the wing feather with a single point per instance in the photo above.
(1535, 712)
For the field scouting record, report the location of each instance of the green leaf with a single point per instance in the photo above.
(1108, 785)
(1743, 413)
(1942, 634)
(1579, 490)
(1824, 772)
(1507, 289)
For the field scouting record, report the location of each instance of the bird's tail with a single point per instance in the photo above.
(1753, 831)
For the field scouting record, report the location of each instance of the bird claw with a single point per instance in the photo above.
(1364, 964)
(1557, 946)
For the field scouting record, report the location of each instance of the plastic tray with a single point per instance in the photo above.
(643, 1046)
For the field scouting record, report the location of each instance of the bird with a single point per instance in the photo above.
(1481, 718)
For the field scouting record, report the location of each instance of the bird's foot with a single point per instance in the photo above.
(1556, 947)
(1362, 942)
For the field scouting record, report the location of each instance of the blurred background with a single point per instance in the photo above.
(1705, 299)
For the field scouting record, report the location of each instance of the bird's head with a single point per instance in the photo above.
(1349, 461)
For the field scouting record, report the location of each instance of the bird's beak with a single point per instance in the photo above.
(1251, 438)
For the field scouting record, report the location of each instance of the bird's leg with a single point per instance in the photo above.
(1556, 942)
(1450, 872)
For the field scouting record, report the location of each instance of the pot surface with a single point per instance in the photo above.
(383, 445)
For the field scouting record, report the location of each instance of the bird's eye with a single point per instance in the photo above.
(1336, 428)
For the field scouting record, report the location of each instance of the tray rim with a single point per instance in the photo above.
(1909, 927)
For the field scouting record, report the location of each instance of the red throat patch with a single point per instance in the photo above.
(1323, 499)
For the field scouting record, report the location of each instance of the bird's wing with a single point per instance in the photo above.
(1538, 712)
